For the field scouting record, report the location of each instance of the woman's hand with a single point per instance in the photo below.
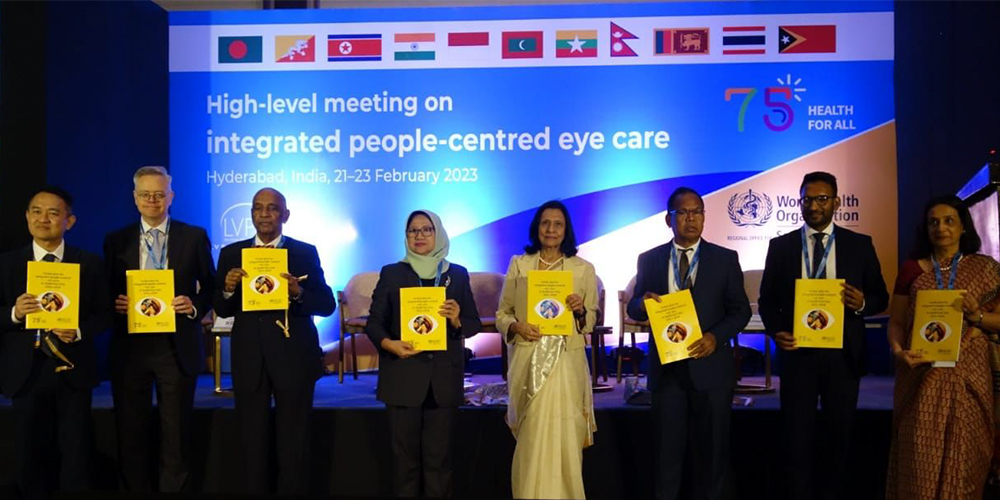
(575, 303)
(401, 349)
(526, 331)
(450, 309)
(970, 307)
(911, 358)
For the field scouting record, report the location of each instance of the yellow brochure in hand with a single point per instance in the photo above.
(547, 292)
(937, 324)
(56, 285)
(150, 295)
(419, 321)
(819, 313)
(264, 289)
(674, 323)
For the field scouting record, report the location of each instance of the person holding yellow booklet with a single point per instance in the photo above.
(943, 417)
(422, 389)
(551, 408)
(49, 375)
(692, 380)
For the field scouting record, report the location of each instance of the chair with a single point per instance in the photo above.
(628, 325)
(597, 361)
(355, 300)
(751, 285)
(486, 288)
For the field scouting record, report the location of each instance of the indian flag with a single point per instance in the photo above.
(576, 43)
(414, 46)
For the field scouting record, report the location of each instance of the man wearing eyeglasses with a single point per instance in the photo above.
(275, 353)
(820, 249)
(170, 361)
(693, 396)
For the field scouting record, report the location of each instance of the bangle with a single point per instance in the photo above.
(979, 323)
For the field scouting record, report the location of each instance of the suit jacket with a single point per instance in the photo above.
(857, 263)
(189, 255)
(17, 353)
(258, 341)
(719, 299)
(404, 382)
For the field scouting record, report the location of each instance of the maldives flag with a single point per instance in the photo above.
(522, 44)
(807, 39)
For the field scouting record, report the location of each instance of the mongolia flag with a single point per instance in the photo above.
(414, 46)
(522, 45)
(576, 43)
(354, 47)
(807, 39)
(241, 49)
(294, 48)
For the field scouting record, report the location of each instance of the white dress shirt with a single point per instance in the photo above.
(831, 261)
(39, 254)
(693, 272)
(143, 252)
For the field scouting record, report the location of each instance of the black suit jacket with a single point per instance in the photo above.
(719, 298)
(256, 338)
(189, 255)
(404, 382)
(857, 263)
(17, 353)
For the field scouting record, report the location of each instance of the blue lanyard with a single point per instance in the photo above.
(158, 262)
(822, 262)
(437, 279)
(677, 266)
(954, 271)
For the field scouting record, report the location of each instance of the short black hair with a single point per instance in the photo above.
(568, 246)
(826, 177)
(53, 190)
(969, 243)
(681, 191)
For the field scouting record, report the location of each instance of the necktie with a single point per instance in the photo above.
(154, 252)
(818, 249)
(685, 266)
(49, 257)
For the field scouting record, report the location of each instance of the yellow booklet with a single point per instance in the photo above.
(674, 323)
(420, 323)
(56, 285)
(937, 324)
(150, 294)
(264, 289)
(819, 313)
(547, 292)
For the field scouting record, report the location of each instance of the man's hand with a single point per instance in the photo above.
(401, 349)
(182, 305)
(648, 295)
(450, 309)
(233, 278)
(294, 288)
(67, 336)
(121, 304)
(702, 347)
(786, 341)
(26, 304)
(852, 297)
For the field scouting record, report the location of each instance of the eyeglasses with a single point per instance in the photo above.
(426, 232)
(151, 195)
(821, 200)
(684, 214)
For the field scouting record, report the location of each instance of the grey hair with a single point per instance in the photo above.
(152, 170)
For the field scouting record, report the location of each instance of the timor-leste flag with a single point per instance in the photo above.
(815, 39)
(241, 49)
(576, 43)
(522, 45)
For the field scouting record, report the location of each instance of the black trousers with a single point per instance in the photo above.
(53, 417)
(421, 448)
(685, 420)
(293, 408)
(153, 362)
(829, 376)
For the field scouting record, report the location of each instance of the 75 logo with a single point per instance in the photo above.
(780, 115)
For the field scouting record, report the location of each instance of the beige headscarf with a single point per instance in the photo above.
(426, 266)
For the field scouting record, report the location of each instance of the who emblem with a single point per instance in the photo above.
(750, 208)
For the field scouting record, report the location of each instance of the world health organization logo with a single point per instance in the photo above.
(750, 208)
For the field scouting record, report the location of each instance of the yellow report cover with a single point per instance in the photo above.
(674, 323)
(819, 311)
(56, 285)
(420, 322)
(937, 324)
(547, 292)
(150, 294)
(264, 289)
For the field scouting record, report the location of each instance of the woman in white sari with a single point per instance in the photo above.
(551, 409)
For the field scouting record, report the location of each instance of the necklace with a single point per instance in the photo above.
(548, 264)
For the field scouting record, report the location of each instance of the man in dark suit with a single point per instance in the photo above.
(694, 393)
(275, 352)
(820, 250)
(171, 360)
(50, 375)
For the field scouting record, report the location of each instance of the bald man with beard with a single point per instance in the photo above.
(268, 363)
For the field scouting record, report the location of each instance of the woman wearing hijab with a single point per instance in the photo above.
(422, 390)
(551, 408)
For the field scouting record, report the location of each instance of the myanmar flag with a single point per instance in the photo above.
(522, 44)
(576, 43)
(241, 49)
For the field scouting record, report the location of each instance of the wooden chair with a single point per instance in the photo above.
(486, 288)
(354, 302)
(628, 325)
(597, 361)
